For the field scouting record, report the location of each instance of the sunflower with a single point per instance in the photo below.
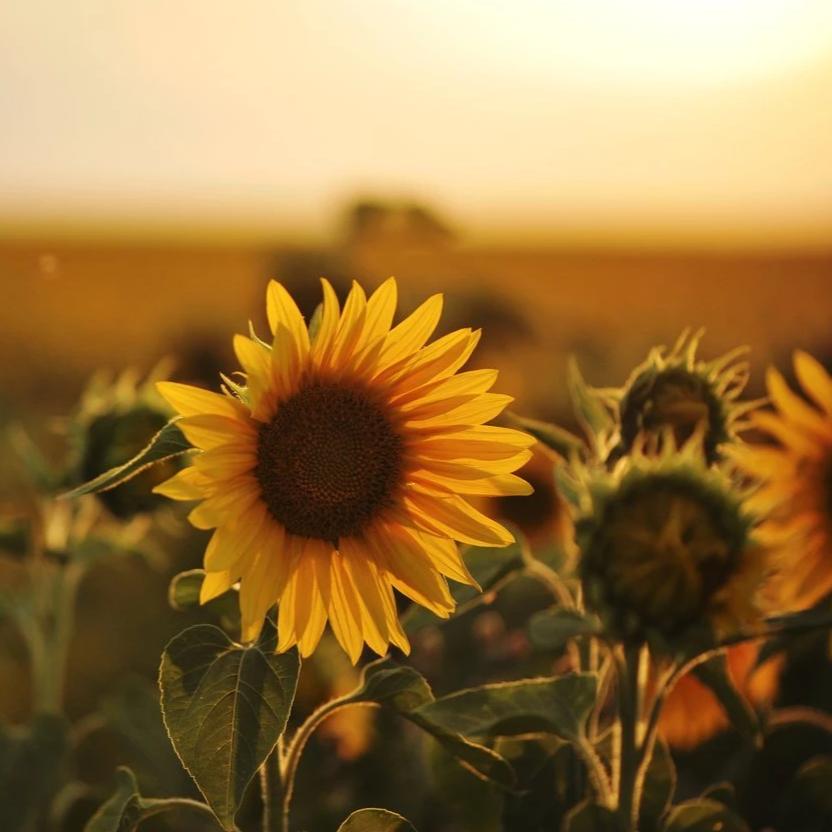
(796, 478)
(667, 551)
(340, 469)
(674, 389)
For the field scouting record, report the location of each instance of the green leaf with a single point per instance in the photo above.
(404, 691)
(491, 568)
(225, 705)
(559, 706)
(590, 817)
(375, 820)
(715, 675)
(658, 790)
(590, 410)
(30, 763)
(551, 629)
(126, 808)
(703, 815)
(123, 811)
(167, 443)
(552, 436)
(183, 595)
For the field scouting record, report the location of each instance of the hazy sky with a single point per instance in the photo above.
(530, 118)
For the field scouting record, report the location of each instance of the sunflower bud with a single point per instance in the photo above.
(666, 549)
(674, 392)
(115, 421)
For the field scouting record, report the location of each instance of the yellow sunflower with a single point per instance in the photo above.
(341, 469)
(796, 477)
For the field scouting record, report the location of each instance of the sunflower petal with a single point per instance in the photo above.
(187, 484)
(451, 516)
(814, 379)
(412, 333)
(194, 401)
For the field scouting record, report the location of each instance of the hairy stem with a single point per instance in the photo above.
(294, 750)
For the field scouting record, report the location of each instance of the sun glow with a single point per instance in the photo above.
(646, 42)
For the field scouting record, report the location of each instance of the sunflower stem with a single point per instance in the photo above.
(294, 750)
(271, 788)
(630, 692)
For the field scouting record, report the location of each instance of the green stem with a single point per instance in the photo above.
(630, 676)
(271, 788)
(291, 759)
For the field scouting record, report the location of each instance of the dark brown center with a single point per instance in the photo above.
(328, 461)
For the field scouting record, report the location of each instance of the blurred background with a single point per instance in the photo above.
(582, 177)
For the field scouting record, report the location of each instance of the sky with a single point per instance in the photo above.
(530, 120)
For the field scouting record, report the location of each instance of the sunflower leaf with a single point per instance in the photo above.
(594, 416)
(703, 815)
(404, 691)
(559, 705)
(551, 629)
(376, 820)
(125, 809)
(167, 443)
(558, 439)
(659, 787)
(224, 706)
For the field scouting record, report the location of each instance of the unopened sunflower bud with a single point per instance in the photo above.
(676, 393)
(667, 550)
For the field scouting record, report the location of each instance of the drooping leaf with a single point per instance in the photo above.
(658, 790)
(551, 629)
(559, 706)
(703, 815)
(590, 817)
(560, 440)
(122, 812)
(715, 675)
(169, 442)
(30, 762)
(125, 809)
(491, 569)
(376, 820)
(225, 705)
(404, 691)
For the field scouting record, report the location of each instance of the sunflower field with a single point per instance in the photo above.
(341, 581)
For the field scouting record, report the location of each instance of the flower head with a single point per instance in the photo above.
(341, 468)
(666, 548)
(677, 392)
(114, 421)
(796, 479)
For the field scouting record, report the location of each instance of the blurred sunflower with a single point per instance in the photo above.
(667, 549)
(677, 391)
(341, 469)
(796, 477)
